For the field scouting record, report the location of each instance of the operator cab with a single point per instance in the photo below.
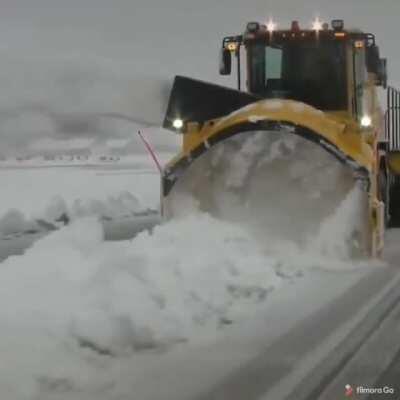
(325, 68)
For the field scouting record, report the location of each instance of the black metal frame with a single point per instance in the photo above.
(275, 37)
(392, 119)
(280, 36)
(192, 100)
(238, 40)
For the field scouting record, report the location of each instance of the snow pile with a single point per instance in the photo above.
(13, 221)
(58, 213)
(58, 195)
(75, 308)
(285, 190)
(72, 294)
(74, 303)
(339, 235)
(122, 205)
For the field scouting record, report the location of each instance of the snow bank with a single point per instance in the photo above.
(122, 205)
(57, 212)
(13, 221)
(49, 194)
(74, 307)
(72, 294)
(73, 304)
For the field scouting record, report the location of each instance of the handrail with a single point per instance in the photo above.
(392, 119)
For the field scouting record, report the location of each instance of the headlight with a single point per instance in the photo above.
(366, 121)
(177, 123)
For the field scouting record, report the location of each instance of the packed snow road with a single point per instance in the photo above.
(317, 356)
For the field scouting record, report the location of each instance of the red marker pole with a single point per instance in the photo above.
(151, 152)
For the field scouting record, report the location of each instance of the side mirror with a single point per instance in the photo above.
(373, 59)
(382, 72)
(225, 62)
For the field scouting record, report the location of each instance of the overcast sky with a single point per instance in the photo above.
(74, 56)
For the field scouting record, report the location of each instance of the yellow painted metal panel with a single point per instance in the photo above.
(337, 128)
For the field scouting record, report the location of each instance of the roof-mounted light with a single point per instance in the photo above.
(359, 44)
(337, 24)
(271, 26)
(317, 25)
(232, 46)
(253, 27)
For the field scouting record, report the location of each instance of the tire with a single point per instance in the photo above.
(384, 194)
(394, 204)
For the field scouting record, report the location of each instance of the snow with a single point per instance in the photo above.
(256, 118)
(243, 160)
(81, 300)
(279, 186)
(337, 226)
(14, 221)
(115, 190)
(71, 289)
(272, 104)
(298, 107)
(330, 345)
(84, 319)
(126, 304)
(86, 314)
(269, 104)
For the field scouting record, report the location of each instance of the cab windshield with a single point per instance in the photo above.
(313, 72)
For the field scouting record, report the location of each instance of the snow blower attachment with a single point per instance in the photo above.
(307, 136)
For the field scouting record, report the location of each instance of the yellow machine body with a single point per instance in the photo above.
(340, 133)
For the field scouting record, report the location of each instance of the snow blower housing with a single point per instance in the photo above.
(317, 84)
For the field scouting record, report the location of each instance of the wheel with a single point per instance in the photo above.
(394, 202)
(384, 193)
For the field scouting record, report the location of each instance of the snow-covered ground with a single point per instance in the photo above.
(75, 309)
(83, 319)
(43, 190)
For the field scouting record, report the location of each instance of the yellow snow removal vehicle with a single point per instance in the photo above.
(306, 139)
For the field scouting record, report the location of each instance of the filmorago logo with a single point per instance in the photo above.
(348, 391)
